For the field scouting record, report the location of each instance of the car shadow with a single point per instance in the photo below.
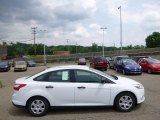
(80, 110)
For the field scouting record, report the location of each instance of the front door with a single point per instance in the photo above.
(89, 90)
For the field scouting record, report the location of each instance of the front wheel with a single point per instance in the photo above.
(125, 102)
(124, 72)
(38, 106)
(149, 71)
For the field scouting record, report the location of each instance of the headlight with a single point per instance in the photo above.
(127, 67)
(138, 86)
(154, 66)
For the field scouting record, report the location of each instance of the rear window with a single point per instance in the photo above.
(100, 59)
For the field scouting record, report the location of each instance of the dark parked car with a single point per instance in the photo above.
(31, 63)
(4, 66)
(82, 61)
(114, 60)
(109, 59)
(128, 66)
(150, 65)
(99, 63)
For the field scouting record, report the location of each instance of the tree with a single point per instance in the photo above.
(153, 40)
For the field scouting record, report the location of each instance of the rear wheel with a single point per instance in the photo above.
(38, 106)
(125, 102)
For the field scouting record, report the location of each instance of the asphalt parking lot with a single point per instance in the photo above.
(149, 110)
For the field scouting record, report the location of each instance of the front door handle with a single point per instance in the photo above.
(81, 87)
(49, 86)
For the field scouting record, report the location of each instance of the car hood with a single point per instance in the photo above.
(126, 81)
(133, 66)
(157, 65)
(3, 66)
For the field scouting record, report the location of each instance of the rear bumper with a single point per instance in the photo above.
(19, 106)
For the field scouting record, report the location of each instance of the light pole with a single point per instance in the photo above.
(67, 44)
(103, 28)
(44, 49)
(76, 48)
(120, 27)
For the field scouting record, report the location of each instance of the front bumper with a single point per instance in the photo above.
(140, 95)
(133, 71)
(16, 69)
(156, 70)
(3, 69)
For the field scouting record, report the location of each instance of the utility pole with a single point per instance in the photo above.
(34, 37)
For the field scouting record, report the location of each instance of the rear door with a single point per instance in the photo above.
(58, 86)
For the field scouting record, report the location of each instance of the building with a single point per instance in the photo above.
(61, 53)
(3, 51)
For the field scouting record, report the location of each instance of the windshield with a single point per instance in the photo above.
(3, 63)
(153, 61)
(103, 73)
(129, 62)
(99, 59)
(20, 63)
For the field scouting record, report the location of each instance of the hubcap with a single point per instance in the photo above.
(125, 102)
(37, 106)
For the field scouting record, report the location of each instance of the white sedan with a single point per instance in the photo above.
(75, 85)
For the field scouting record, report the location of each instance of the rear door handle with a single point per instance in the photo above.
(49, 86)
(81, 87)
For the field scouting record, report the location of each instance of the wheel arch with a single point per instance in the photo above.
(125, 92)
(37, 96)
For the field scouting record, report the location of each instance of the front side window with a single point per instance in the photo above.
(87, 77)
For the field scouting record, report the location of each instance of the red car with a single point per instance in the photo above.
(150, 65)
(99, 63)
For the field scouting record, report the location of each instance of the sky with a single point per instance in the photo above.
(79, 21)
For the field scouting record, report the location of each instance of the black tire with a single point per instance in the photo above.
(116, 69)
(35, 108)
(124, 72)
(149, 71)
(125, 102)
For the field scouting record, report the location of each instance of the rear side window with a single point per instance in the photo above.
(59, 76)
(42, 77)
(55, 76)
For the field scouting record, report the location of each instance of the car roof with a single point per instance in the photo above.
(67, 67)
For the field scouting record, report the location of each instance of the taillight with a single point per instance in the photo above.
(17, 87)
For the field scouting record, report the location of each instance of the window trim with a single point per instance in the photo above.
(108, 81)
(49, 73)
